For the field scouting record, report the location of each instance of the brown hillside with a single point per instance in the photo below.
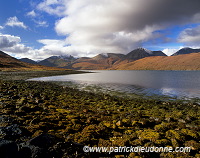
(8, 63)
(98, 62)
(180, 62)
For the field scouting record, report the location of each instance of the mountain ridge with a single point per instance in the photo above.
(105, 61)
(179, 62)
(186, 50)
(8, 63)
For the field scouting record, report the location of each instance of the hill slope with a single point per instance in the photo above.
(27, 60)
(8, 63)
(179, 62)
(108, 60)
(57, 61)
(186, 51)
(99, 62)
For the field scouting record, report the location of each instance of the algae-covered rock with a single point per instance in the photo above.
(148, 134)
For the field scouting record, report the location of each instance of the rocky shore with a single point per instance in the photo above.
(45, 120)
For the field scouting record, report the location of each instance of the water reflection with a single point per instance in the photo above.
(172, 83)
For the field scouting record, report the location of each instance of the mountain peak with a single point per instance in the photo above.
(144, 49)
(186, 50)
(100, 56)
(104, 54)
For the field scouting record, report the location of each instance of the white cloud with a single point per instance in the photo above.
(41, 23)
(12, 45)
(31, 14)
(102, 26)
(190, 36)
(55, 47)
(13, 21)
(170, 51)
(8, 40)
(1, 27)
(53, 7)
(94, 26)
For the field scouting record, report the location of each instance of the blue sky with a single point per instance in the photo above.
(38, 29)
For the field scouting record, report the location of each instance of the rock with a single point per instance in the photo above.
(68, 149)
(5, 120)
(182, 121)
(10, 132)
(119, 123)
(31, 151)
(15, 97)
(37, 152)
(43, 141)
(169, 119)
(38, 147)
(8, 149)
(25, 152)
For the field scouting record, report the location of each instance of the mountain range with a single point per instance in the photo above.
(121, 61)
(138, 59)
(8, 63)
(186, 50)
(101, 61)
(179, 62)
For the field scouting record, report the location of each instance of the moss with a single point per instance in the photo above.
(148, 134)
(164, 126)
(190, 133)
(172, 134)
(174, 143)
(193, 144)
(64, 111)
(107, 124)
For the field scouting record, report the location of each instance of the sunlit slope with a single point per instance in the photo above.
(179, 62)
(8, 63)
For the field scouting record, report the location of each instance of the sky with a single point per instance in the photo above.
(38, 29)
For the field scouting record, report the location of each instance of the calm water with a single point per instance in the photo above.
(178, 84)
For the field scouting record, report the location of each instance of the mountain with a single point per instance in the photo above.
(27, 60)
(138, 54)
(158, 53)
(139, 58)
(186, 51)
(57, 61)
(179, 62)
(142, 53)
(108, 60)
(99, 62)
(8, 63)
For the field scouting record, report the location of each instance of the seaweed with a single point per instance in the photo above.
(98, 119)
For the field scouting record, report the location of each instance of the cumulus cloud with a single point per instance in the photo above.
(12, 45)
(190, 36)
(8, 40)
(31, 14)
(170, 51)
(53, 7)
(102, 26)
(13, 21)
(53, 47)
(1, 27)
(93, 26)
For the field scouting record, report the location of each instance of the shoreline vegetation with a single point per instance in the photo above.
(43, 119)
